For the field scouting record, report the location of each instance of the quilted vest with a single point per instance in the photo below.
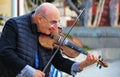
(28, 43)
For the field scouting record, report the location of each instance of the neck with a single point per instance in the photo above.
(33, 18)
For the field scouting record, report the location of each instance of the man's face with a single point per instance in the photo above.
(48, 24)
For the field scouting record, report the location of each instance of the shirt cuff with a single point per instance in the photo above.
(27, 71)
(75, 68)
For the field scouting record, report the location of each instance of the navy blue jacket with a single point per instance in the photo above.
(18, 44)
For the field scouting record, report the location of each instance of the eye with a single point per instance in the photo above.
(55, 23)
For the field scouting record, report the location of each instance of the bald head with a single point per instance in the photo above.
(47, 17)
(47, 9)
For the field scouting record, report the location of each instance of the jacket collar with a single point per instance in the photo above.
(33, 26)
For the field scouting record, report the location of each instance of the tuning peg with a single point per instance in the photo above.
(98, 64)
(100, 67)
(99, 56)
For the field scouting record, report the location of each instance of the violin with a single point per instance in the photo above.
(71, 47)
(49, 43)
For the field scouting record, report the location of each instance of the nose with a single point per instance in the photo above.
(54, 29)
(54, 26)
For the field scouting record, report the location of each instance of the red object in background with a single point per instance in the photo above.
(106, 7)
(119, 7)
(70, 22)
(107, 1)
(105, 13)
(103, 20)
(94, 8)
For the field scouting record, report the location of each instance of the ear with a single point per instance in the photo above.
(39, 16)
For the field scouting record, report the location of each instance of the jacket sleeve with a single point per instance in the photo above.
(62, 63)
(8, 44)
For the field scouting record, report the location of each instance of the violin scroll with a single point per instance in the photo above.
(101, 63)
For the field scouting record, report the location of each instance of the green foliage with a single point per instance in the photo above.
(68, 36)
(85, 47)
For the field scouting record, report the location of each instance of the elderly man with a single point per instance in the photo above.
(21, 54)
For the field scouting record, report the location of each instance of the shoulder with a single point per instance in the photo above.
(21, 18)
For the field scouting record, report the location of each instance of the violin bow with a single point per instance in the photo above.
(81, 11)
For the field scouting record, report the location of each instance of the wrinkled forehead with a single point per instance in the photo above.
(50, 11)
(48, 8)
(52, 14)
(53, 17)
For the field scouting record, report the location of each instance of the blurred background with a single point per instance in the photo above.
(98, 28)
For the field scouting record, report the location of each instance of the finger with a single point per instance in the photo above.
(43, 74)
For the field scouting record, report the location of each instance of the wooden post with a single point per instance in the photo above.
(99, 13)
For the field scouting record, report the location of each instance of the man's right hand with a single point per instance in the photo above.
(39, 73)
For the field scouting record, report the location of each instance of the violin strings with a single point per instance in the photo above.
(81, 11)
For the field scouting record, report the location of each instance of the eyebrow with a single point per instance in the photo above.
(50, 21)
